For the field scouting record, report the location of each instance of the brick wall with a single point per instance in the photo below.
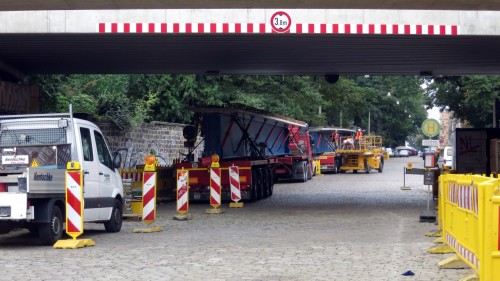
(18, 99)
(163, 137)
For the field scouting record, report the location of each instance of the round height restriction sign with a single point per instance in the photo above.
(430, 127)
(281, 22)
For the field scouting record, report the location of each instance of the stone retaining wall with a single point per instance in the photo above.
(164, 138)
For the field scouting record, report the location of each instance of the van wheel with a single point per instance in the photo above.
(51, 232)
(115, 222)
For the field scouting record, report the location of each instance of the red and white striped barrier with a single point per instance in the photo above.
(149, 197)
(215, 187)
(134, 175)
(297, 28)
(74, 205)
(234, 180)
(182, 191)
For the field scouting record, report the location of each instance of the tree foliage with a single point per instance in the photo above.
(128, 100)
(471, 98)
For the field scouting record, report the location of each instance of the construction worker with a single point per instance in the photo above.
(358, 137)
(335, 139)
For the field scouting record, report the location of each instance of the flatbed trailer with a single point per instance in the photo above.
(265, 146)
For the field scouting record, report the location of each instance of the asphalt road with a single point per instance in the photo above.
(333, 227)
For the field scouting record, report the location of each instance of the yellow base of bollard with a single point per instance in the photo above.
(435, 233)
(452, 263)
(148, 230)
(183, 217)
(439, 240)
(214, 211)
(74, 243)
(236, 205)
(472, 277)
(440, 249)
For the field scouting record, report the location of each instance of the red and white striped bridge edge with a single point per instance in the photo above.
(74, 219)
(297, 28)
(149, 197)
(234, 180)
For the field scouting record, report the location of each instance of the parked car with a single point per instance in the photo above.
(389, 152)
(448, 157)
(404, 153)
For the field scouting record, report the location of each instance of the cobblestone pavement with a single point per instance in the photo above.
(334, 227)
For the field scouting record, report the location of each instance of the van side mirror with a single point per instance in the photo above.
(117, 160)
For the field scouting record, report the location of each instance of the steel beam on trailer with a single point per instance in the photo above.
(268, 136)
(277, 138)
(228, 130)
(244, 130)
(260, 130)
(329, 143)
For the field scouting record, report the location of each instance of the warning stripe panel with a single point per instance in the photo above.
(304, 28)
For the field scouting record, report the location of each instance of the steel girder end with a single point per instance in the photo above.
(472, 277)
(74, 243)
(148, 230)
(453, 262)
(440, 249)
(436, 233)
(236, 205)
(214, 211)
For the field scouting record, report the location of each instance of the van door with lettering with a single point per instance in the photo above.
(107, 177)
(90, 167)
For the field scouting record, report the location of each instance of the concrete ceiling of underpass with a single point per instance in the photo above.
(16, 5)
(263, 54)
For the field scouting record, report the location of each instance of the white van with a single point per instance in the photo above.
(448, 157)
(34, 151)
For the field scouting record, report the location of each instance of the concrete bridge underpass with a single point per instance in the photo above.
(248, 41)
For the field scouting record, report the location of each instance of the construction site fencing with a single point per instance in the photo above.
(166, 185)
(469, 213)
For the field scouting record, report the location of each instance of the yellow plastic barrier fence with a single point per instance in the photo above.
(469, 218)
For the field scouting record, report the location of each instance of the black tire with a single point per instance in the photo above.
(253, 192)
(115, 222)
(304, 172)
(271, 181)
(50, 233)
(354, 171)
(367, 167)
(309, 172)
(380, 167)
(265, 182)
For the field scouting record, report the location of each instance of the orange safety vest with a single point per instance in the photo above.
(359, 135)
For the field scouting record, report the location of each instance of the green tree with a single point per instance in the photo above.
(471, 98)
